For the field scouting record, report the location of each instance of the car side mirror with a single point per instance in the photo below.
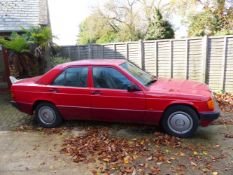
(133, 88)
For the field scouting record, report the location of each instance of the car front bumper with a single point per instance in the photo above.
(207, 117)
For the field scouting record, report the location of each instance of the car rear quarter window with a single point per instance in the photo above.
(73, 77)
(60, 80)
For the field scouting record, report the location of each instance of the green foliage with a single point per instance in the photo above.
(95, 29)
(159, 28)
(16, 43)
(212, 20)
(124, 21)
(127, 33)
(39, 35)
(54, 61)
(27, 50)
(20, 43)
(107, 37)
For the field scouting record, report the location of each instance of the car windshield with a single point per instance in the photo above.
(145, 78)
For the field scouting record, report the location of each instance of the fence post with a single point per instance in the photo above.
(102, 51)
(224, 63)
(204, 58)
(79, 54)
(68, 48)
(114, 47)
(187, 58)
(90, 51)
(127, 51)
(141, 52)
(156, 59)
(171, 58)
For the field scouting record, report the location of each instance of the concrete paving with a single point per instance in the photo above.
(29, 152)
(33, 152)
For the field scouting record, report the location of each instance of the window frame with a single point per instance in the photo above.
(117, 69)
(64, 70)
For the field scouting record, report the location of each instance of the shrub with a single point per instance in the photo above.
(53, 61)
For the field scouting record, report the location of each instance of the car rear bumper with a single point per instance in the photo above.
(23, 107)
(13, 103)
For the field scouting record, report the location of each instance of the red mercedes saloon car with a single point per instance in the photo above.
(115, 90)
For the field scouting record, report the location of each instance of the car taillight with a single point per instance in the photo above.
(210, 104)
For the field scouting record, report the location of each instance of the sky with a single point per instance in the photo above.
(66, 16)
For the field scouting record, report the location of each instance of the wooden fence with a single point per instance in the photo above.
(203, 59)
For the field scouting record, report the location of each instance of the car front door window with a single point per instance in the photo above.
(109, 78)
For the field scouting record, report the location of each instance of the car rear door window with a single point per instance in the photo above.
(74, 77)
(110, 78)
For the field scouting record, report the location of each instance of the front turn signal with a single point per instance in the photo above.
(210, 104)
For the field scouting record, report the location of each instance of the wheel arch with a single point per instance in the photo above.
(179, 104)
(37, 102)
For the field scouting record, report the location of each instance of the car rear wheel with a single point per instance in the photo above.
(47, 115)
(180, 121)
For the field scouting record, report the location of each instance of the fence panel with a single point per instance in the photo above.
(164, 58)
(214, 63)
(179, 59)
(150, 57)
(134, 53)
(203, 59)
(195, 60)
(229, 66)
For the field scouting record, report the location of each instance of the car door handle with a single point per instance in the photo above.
(53, 90)
(96, 92)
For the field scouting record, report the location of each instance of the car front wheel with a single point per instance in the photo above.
(47, 115)
(180, 121)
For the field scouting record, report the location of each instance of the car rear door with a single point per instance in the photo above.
(71, 92)
(110, 99)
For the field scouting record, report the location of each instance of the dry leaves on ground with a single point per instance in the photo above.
(225, 101)
(141, 155)
(47, 131)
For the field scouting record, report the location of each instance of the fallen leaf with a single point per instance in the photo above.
(126, 160)
(193, 164)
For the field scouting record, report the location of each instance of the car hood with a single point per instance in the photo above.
(181, 87)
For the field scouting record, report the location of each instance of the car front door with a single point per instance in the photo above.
(110, 99)
(71, 92)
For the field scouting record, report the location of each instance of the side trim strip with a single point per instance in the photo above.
(65, 106)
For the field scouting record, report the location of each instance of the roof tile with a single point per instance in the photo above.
(15, 14)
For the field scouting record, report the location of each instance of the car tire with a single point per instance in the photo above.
(47, 115)
(180, 121)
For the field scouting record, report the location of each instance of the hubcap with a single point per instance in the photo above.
(180, 122)
(46, 115)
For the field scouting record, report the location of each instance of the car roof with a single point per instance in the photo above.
(106, 62)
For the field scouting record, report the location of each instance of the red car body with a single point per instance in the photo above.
(145, 106)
